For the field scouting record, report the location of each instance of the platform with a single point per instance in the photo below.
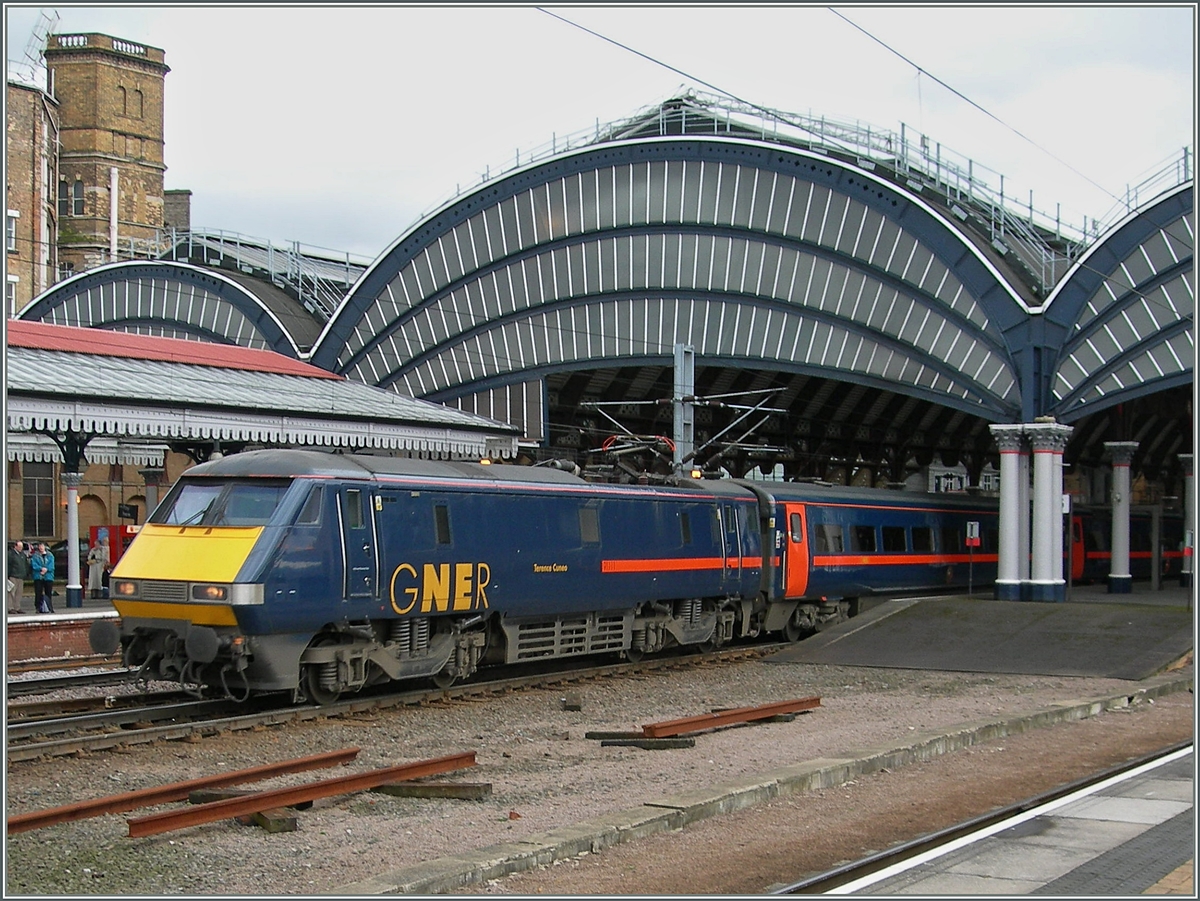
(1118, 636)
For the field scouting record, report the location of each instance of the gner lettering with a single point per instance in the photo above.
(440, 587)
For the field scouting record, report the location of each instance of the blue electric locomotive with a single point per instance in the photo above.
(319, 574)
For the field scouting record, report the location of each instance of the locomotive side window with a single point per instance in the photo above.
(797, 528)
(922, 539)
(862, 539)
(441, 523)
(589, 525)
(685, 527)
(310, 514)
(829, 538)
(353, 507)
(893, 539)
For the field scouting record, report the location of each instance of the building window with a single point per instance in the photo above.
(64, 199)
(38, 490)
(65, 270)
(10, 229)
(77, 194)
(10, 295)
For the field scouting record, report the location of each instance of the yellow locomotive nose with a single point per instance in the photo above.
(177, 553)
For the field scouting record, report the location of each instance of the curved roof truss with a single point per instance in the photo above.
(1126, 312)
(758, 256)
(165, 299)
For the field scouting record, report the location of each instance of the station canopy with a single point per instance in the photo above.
(130, 397)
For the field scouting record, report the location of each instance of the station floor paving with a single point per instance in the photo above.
(1130, 837)
(1119, 636)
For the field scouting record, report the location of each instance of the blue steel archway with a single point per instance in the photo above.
(757, 255)
(166, 299)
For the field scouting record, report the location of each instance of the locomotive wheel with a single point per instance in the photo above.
(634, 655)
(792, 631)
(312, 681)
(443, 679)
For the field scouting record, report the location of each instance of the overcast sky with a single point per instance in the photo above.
(338, 127)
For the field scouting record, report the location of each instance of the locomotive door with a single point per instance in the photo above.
(359, 559)
(733, 543)
(795, 552)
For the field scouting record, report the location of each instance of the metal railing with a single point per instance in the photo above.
(1043, 244)
(318, 277)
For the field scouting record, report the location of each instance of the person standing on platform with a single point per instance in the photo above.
(42, 562)
(18, 572)
(97, 559)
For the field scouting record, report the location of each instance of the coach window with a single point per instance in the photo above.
(893, 539)
(310, 514)
(685, 528)
(991, 541)
(829, 538)
(441, 523)
(951, 540)
(862, 539)
(922, 539)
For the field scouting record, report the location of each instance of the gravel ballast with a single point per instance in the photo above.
(544, 773)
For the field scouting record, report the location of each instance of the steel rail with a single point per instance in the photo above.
(16, 687)
(176, 791)
(830, 879)
(112, 718)
(157, 823)
(718, 718)
(366, 704)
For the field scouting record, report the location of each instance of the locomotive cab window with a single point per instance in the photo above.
(685, 528)
(310, 513)
(221, 504)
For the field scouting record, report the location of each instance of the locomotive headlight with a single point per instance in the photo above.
(124, 589)
(210, 592)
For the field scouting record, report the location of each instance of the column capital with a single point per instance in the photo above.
(1048, 436)
(71, 479)
(1008, 437)
(152, 476)
(1186, 460)
(1121, 451)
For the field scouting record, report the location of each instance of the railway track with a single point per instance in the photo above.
(849, 877)
(113, 729)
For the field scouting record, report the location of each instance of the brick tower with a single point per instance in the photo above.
(110, 187)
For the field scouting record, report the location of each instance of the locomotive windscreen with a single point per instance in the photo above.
(221, 503)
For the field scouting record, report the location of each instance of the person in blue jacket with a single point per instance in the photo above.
(42, 564)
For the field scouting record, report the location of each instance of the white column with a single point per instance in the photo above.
(74, 588)
(1024, 503)
(1010, 438)
(1048, 440)
(1120, 581)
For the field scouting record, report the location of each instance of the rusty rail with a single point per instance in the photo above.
(157, 823)
(176, 791)
(727, 717)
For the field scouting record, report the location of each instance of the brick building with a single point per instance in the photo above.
(110, 179)
(31, 175)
